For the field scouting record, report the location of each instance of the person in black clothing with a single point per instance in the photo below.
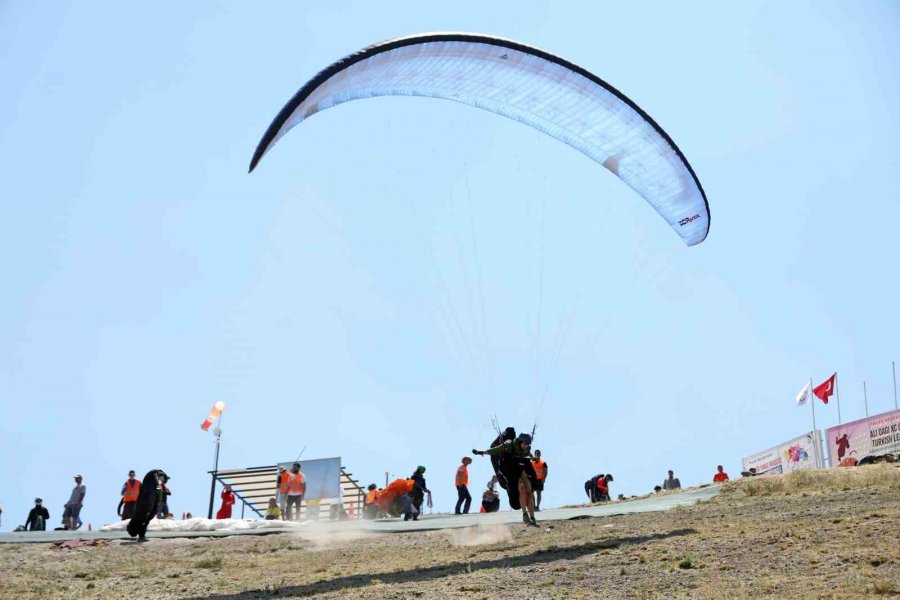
(515, 469)
(419, 491)
(37, 516)
(147, 504)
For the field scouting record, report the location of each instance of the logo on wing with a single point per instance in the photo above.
(687, 220)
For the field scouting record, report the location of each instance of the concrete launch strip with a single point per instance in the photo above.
(656, 503)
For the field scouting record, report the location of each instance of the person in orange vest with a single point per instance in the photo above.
(227, 503)
(462, 489)
(395, 499)
(295, 491)
(540, 474)
(281, 490)
(721, 476)
(131, 489)
(370, 508)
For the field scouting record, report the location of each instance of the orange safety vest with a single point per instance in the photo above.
(296, 484)
(283, 484)
(539, 466)
(462, 475)
(372, 497)
(132, 490)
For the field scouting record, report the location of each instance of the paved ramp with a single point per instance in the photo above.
(655, 503)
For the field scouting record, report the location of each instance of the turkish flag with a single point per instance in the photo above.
(824, 390)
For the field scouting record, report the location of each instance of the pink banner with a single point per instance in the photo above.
(873, 436)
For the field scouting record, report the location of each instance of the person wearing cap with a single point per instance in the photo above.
(515, 464)
(419, 490)
(73, 506)
(131, 489)
(281, 490)
(462, 486)
(37, 517)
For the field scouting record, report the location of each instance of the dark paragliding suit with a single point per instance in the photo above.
(147, 503)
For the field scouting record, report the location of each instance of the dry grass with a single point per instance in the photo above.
(828, 534)
(823, 480)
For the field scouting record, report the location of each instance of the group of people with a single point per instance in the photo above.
(131, 493)
(39, 516)
(516, 470)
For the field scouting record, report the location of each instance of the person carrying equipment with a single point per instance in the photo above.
(514, 464)
(419, 491)
(395, 501)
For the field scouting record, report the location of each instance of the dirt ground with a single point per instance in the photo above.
(820, 534)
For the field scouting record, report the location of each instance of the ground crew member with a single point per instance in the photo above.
(370, 508)
(295, 491)
(131, 489)
(282, 490)
(462, 483)
(540, 474)
(395, 499)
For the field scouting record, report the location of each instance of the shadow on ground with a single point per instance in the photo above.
(549, 554)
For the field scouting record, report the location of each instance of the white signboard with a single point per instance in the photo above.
(794, 455)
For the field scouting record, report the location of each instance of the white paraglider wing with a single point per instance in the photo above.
(525, 84)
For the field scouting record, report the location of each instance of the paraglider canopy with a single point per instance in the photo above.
(523, 83)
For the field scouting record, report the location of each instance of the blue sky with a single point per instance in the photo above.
(332, 297)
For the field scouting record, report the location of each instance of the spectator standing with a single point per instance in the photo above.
(163, 492)
(37, 517)
(462, 486)
(73, 506)
(281, 485)
(721, 476)
(671, 482)
(419, 490)
(540, 474)
(131, 489)
(295, 491)
(227, 503)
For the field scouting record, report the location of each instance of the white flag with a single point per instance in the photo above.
(803, 396)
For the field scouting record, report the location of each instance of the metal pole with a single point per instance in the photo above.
(866, 398)
(212, 489)
(385, 479)
(894, 369)
(812, 401)
(837, 390)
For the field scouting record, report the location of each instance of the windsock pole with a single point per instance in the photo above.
(214, 413)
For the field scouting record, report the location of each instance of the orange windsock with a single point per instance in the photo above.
(214, 414)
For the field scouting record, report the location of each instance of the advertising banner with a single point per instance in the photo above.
(323, 477)
(873, 436)
(794, 455)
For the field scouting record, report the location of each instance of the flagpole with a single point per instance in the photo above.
(837, 391)
(812, 401)
(866, 398)
(894, 369)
